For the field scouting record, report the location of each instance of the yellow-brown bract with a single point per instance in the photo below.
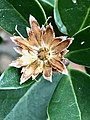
(40, 52)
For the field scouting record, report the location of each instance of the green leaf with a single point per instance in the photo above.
(49, 2)
(58, 20)
(81, 57)
(71, 99)
(71, 17)
(81, 83)
(14, 12)
(63, 105)
(33, 105)
(80, 48)
(8, 99)
(81, 40)
(48, 8)
(10, 79)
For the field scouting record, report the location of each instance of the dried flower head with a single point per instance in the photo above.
(40, 52)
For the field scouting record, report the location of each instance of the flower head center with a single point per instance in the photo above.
(43, 54)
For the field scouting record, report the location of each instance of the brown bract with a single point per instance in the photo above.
(40, 52)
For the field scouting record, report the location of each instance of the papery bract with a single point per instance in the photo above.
(40, 52)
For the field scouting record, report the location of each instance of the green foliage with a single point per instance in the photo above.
(72, 16)
(10, 79)
(81, 40)
(8, 99)
(80, 57)
(33, 105)
(63, 105)
(49, 2)
(81, 83)
(80, 49)
(16, 12)
(71, 98)
(67, 97)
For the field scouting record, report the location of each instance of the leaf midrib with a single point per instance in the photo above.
(73, 90)
(86, 16)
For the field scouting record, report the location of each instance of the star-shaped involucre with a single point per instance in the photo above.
(40, 52)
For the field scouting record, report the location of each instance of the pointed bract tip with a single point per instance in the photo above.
(16, 49)
(28, 30)
(43, 28)
(48, 78)
(31, 18)
(51, 25)
(21, 82)
(63, 37)
(14, 64)
(10, 64)
(33, 77)
(23, 69)
(71, 39)
(22, 79)
(14, 39)
(65, 71)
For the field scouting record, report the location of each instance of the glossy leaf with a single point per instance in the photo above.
(58, 20)
(81, 57)
(48, 8)
(8, 99)
(80, 48)
(81, 40)
(13, 12)
(33, 105)
(71, 98)
(49, 2)
(71, 17)
(63, 105)
(10, 79)
(81, 83)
